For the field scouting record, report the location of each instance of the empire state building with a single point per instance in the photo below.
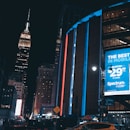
(19, 76)
(24, 45)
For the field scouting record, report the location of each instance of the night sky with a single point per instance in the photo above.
(43, 28)
(44, 20)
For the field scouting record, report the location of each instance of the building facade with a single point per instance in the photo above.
(115, 36)
(8, 102)
(44, 100)
(84, 44)
(58, 64)
(78, 80)
(15, 80)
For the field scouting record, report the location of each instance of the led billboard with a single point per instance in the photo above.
(18, 107)
(117, 72)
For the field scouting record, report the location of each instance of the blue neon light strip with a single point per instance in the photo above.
(85, 66)
(72, 73)
(97, 13)
(120, 3)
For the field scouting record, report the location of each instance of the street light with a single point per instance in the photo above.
(101, 89)
(101, 94)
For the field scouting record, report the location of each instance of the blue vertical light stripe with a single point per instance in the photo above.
(72, 71)
(85, 66)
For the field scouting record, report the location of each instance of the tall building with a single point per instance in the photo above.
(19, 76)
(44, 100)
(58, 62)
(24, 46)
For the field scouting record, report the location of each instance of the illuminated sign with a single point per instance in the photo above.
(18, 107)
(117, 70)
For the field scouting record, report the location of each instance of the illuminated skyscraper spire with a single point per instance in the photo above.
(22, 59)
(24, 46)
(27, 23)
(19, 76)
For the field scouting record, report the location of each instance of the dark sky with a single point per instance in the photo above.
(43, 28)
(44, 20)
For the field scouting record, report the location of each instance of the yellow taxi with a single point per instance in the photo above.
(95, 126)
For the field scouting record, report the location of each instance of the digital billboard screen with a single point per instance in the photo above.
(117, 72)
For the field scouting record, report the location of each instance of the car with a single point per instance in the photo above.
(17, 121)
(95, 126)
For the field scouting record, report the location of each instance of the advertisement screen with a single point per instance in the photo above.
(117, 72)
(18, 107)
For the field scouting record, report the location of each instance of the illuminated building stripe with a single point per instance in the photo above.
(84, 87)
(118, 4)
(72, 72)
(85, 66)
(63, 75)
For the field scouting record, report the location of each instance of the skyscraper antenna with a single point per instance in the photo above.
(27, 23)
(28, 15)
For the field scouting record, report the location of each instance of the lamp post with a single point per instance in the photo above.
(94, 68)
(101, 101)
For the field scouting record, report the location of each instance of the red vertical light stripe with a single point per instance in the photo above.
(63, 75)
